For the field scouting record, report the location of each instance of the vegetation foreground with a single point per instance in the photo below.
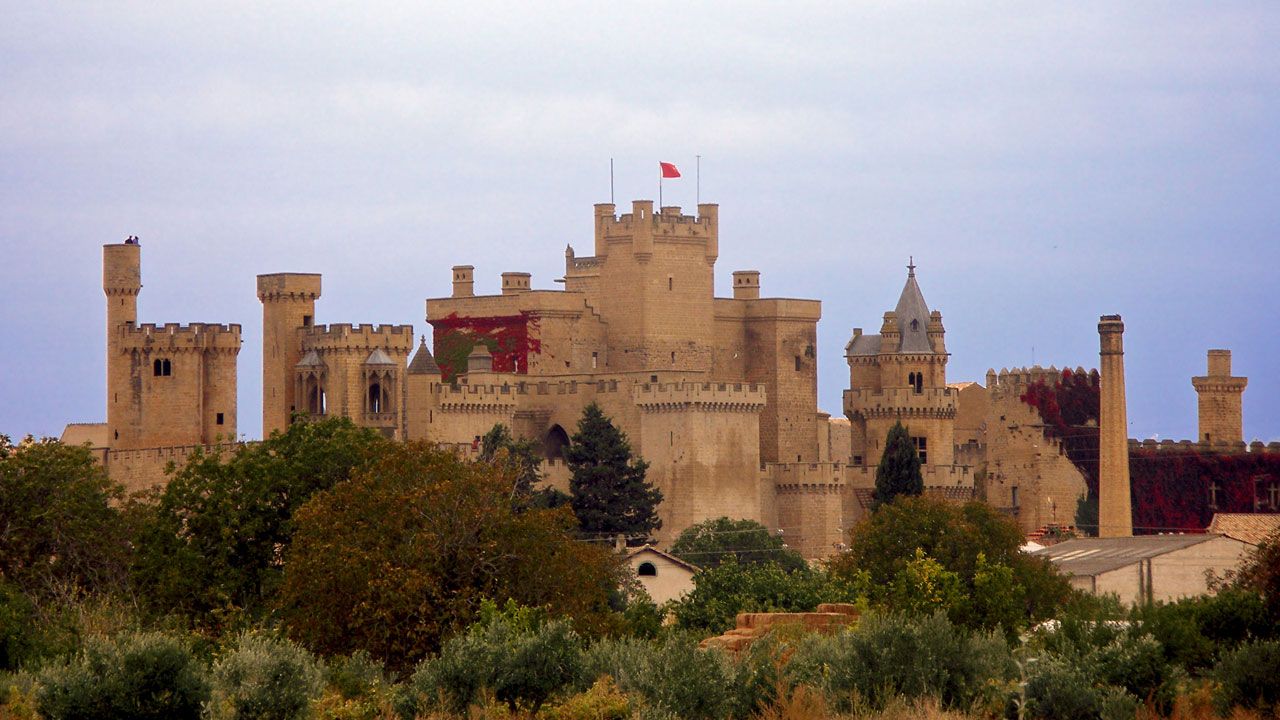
(327, 573)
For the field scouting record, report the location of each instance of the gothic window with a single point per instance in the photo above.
(647, 569)
(375, 398)
(921, 445)
(315, 396)
(156, 368)
(554, 443)
(915, 325)
(167, 369)
(161, 368)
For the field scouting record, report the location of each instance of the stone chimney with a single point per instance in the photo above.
(479, 361)
(1115, 508)
(464, 281)
(515, 282)
(746, 284)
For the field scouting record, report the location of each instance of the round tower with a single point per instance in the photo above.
(121, 282)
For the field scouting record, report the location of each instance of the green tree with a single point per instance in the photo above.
(899, 470)
(721, 592)
(522, 460)
(402, 555)
(60, 528)
(608, 487)
(216, 538)
(711, 542)
(974, 542)
(1261, 574)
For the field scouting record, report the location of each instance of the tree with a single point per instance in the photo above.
(899, 470)
(217, 534)
(721, 592)
(401, 556)
(1261, 574)
(973, 541)
(522, 460)
(711, 542)
(608, 488)
(60, 528)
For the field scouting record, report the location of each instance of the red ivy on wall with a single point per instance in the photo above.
(1172, 490)
(510, 339)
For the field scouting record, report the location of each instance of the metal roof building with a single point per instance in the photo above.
(1147, 568)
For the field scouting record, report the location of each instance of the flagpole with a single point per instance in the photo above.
(659, 187)
(698, 173)
(610, 181)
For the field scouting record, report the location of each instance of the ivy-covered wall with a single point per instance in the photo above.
(509, 338)
(1172, 490)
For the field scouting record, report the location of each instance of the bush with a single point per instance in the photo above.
(602, 701)
(1248, 676)
(356, 675)
(1058, 690)
(144, 675)
(517, 654)
(722, 592)
(671, 675)
(265, 677)
(889, 656)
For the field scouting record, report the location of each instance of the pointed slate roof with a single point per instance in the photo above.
(378, 357)
(913, 317)
(311, 359)
(423, 363)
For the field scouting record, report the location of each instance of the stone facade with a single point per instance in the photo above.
(1220, 404)
(170, 388)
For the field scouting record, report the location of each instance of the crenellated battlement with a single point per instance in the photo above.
(1015, 382)
(289, 286)
(806, 477)
(176, 336)
(345, 336)
(939, 402)
(730, 397)
(642, 227)
(1191, 446)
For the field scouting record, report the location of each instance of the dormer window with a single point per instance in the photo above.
(915, 325)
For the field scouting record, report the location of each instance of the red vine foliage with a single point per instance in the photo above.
(510, 339)
(1172, 490)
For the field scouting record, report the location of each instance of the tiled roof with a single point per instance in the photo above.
(1252, 528)
(423, 363)
(913, 319)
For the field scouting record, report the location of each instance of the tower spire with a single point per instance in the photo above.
(911, 266)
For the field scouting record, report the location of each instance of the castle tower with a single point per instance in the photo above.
(1115, 511)
(121, 282)
(288, 304)
(900, 375)
(656, 286)
(1219, 394)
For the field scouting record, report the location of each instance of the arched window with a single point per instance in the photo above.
(554, 443)
(157, 368)
(315, 396)
(375, 398)
(647, 569)
(168, 369)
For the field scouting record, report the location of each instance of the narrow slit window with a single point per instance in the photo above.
(218, 419)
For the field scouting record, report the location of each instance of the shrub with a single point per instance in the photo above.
(144, 675)
(517, 654)
(356, 675)
(602, 701)
(671, 675)
(1058, 690)
(1136, 662)
(266, 678)
(1248, 676)
(890, 656)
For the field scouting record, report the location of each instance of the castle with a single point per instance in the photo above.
(718, 394)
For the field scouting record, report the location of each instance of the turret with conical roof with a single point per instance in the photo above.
(900, 375)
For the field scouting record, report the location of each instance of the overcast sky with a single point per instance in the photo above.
(1045, 163)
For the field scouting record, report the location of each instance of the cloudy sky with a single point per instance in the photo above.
(1045, 163)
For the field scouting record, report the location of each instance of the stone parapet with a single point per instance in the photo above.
(178, 337)
(724, 397)
(937, 402)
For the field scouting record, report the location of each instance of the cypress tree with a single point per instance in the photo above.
(608, 487)
(899, 470)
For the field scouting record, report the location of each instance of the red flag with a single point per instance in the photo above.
(669, 170)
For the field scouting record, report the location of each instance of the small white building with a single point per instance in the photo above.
(663, 575)
(1147, 568)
